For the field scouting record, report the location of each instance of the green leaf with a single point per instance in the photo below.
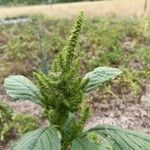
(85, 144)
(122, 139)
(21, 88)
(41, 139)
(99, 76)
(69, 124)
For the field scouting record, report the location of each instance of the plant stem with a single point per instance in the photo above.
(64, 146)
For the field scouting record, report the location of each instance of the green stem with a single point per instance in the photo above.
(65, 146)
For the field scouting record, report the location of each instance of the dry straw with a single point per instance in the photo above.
(116, 8)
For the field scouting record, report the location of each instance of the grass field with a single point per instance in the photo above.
(114, 8)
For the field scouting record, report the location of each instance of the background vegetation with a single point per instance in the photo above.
(24, 2)
(118, 43)
(33, 2)
(14, 125)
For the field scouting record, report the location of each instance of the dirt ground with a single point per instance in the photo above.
(130, 116)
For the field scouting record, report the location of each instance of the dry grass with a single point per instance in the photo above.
(118, 8)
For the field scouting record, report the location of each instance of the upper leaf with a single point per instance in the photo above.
(21, 88)
(69, 124)
(122, 139)
(41, 139)
(99, 76)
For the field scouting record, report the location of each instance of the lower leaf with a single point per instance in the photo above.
(41, 139)
(122, 139)
(86, 144)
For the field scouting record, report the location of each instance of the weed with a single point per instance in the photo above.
(61, 93)
(10, 122)
(5, 121)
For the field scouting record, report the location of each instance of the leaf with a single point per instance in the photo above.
(21, 88)
(41, 139)
(84, 144)
(122, 139)
(69, 124)
(99, 76)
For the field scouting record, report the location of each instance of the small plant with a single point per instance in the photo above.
(62, 95)
(24, 123)
(5, 121)
(10, 122)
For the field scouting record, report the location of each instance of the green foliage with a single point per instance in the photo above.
(42, 37)
(5, 121)
(61, 93)
(24, 123)
(19, 46)
(11, 121)
(63, 82)
(43, 139)
(123, 139)
(24, 2)
(83, 143)
(25, 89)
(100, 75)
